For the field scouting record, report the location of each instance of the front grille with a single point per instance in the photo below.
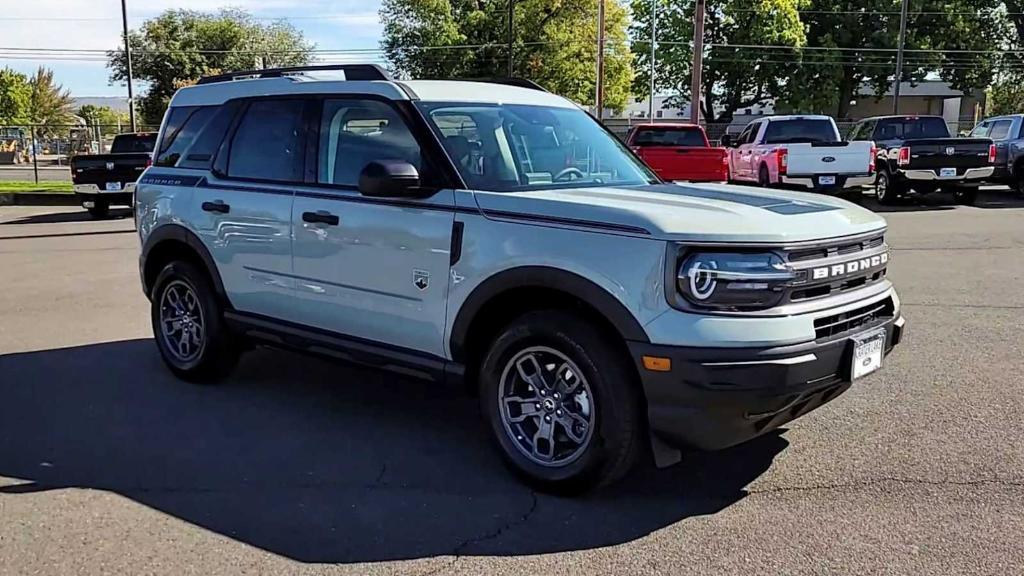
(837, 324)
(829, 254)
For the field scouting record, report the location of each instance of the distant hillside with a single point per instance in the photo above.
(117, 103)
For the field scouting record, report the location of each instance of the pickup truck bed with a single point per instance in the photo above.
(679, 152)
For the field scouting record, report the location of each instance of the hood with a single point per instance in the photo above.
(690, 212)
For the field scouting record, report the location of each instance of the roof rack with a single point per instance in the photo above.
(353, 72)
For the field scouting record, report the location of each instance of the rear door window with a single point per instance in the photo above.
(270, 142)
(354, 133)
(669, 136)
(1000, 129)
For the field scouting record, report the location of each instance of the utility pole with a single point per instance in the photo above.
(899, 59)
(511, 47)
(128, 59)
(654, 32)
(599, 100)
(698, 61)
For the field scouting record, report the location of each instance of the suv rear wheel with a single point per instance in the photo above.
(188, 325)
(561, 402)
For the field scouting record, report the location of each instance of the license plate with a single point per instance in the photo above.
(826, 180)
(112, 187)
(867, 354)
(947, 173)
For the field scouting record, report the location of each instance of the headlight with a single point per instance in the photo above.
(733, 281)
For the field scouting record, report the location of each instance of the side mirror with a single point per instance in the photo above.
(726, 141)
(389, 179)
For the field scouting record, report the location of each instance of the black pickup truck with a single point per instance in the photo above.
(917, 153)
(102, 180)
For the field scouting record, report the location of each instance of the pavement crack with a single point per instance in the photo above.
(1009, 482)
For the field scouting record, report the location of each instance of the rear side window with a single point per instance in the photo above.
(270, 142)
(668, 137)
(204, 146)
(1000, 129)
(981, 130)
(174, 144)
(801, 130)
(128, 143)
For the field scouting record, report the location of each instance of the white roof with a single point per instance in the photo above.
(425, 90)
(797, 117)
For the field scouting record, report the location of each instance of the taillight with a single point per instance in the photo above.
(783, 159)
(992, 154)
(871, 160)
(904, 157)
(149, 161)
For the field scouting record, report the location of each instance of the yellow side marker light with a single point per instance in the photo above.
(656, 364)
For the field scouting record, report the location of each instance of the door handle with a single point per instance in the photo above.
(320, 217)
(216, 206)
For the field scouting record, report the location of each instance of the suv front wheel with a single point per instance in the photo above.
(188, 325)
(562, 402)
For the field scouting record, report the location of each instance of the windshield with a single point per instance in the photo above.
(665, 136)
(800, 130)
(912, 128)
(505, 148)
(126, 143)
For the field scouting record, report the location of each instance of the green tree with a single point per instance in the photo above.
(1006, 97)
(554, 43)
(50, 105)
(15, 97)
(734, 76)
(102, 116)
(179, 46)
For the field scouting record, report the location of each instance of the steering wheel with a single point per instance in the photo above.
(562, 176)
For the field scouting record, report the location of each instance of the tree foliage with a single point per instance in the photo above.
(51, 106)
(734, 76)
(102, 116)
(15, 97)
(554, 43)
(179, 46)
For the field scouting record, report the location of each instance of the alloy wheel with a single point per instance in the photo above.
(182, 325)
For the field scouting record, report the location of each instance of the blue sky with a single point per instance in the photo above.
(96, 25)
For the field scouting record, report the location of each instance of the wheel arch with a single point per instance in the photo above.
(175, 242)
(507, 294)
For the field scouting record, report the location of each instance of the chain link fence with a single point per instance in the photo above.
(41, 153)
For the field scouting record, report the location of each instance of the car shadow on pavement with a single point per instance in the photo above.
(68, 217)
(319, 462)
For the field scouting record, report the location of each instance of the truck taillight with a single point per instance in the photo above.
(904, 158)
(783, 159)
(992, 154)
(871, 159)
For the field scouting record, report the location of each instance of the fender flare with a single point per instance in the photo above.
(542, 277)
(180, 234)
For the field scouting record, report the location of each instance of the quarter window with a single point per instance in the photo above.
(354, 133)
(269, 143)
(183, 136)
(1000, 130)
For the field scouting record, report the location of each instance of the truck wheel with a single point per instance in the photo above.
(562, 402)
(966, 196)
(763, 178)
(188, 325)
(100, 209)
(886, 190)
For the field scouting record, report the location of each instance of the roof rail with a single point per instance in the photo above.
(353, 72)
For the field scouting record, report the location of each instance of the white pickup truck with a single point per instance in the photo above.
(805, 152)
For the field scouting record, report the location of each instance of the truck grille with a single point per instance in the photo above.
(835, 254)
(838, 324)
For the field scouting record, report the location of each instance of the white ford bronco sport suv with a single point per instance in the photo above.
(497, 235)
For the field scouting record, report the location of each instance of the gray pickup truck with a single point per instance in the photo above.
(1007, 132)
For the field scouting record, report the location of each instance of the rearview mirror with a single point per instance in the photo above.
(389, 179)
(726, 141)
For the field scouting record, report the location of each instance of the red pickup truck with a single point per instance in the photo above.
(679, 152)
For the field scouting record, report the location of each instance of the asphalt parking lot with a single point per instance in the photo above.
(110, 465)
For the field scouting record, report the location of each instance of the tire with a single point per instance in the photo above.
(965, 196)
(100, 209)
(1017, 184)
(207, 358)
(764, 180)
(886, 191)
(604, 395)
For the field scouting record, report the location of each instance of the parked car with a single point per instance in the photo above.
(495, 234)
(679, 152)
(1007, 134)
(103, 180)
(917, 153)
(805, 152)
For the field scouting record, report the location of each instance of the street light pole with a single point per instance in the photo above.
(698, 62)
(511, 13)
(128, 59)
(599, 100)
(899, 59)
(654, 31)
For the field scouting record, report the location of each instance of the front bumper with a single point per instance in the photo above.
(842, 182)
(969, 175)
(713, 398)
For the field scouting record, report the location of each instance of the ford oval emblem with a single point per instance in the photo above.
(828, 159)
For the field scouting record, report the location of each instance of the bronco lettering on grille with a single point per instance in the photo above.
(852, 267)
